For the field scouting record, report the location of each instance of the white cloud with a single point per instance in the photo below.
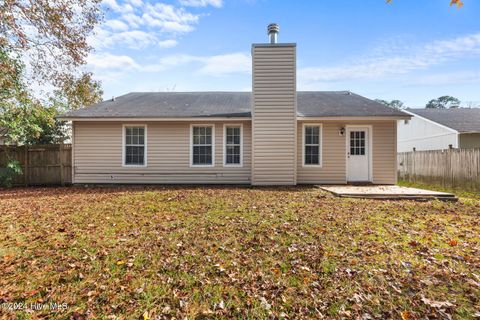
(169, 18)
(121, 8)
(167, 43)
(132, 19)
(116, 25)
(447, 78)
(109, 61)
(136, 3)
(111, 4)
(217, 65)
(395, 63)
(138, 24)
(202, 3)
(227, 63)
(176, 60)
(134, 39)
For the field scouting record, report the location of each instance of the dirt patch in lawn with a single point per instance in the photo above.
(227, 252)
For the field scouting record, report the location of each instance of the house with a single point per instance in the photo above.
(437, 129)
(273, 135)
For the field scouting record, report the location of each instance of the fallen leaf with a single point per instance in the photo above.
(146, 316)
(437, 304)
(413, 243)
(265, 304)
(453, 242)
(406, 315)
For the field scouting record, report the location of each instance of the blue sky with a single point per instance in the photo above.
(412, 50)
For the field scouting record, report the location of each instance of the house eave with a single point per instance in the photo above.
(144, 119)
(177, 119)
(355, 118)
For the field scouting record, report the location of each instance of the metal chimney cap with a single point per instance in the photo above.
(273, 27)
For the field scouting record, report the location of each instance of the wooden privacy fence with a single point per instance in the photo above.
(450, 168)
(41, 164)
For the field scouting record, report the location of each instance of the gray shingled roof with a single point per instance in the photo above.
(460, 119)
(229, 104)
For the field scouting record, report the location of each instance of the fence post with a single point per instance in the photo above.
(62, 177)
(413, 167)
(450, 168)
(25, 167)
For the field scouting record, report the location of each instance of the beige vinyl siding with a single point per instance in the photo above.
(274, 115)
(333, 169)
(469, 140)
(98, 155)
(333, 156)
(385, 153)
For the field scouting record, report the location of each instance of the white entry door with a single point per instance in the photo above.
(358, 154)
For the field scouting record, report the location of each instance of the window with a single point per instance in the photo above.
(203, 146)
(357, 143)
(233, 145)
(134, 145)
(312, 145)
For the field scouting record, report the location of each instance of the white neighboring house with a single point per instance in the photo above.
(437, 129)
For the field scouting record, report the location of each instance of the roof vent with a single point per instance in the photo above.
(113, 98)
(273, 30)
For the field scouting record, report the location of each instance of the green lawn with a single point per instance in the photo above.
(226, 252)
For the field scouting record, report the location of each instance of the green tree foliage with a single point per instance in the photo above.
(396, 104)
(51, 37)
(443, 102)
(32, 123)
(78, 93)
(24, 118)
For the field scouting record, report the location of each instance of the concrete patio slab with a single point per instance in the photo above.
(387, 192)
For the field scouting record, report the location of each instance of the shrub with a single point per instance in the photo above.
(8, 173)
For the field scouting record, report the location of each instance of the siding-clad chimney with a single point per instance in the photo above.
(274, 112)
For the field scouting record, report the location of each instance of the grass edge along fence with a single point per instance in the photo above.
(453, 168)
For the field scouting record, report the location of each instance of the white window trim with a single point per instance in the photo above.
(233, 125)
(320, 149)
(191, 145)
(124, 149)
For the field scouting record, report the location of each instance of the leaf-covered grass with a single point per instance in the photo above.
(228, 252)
